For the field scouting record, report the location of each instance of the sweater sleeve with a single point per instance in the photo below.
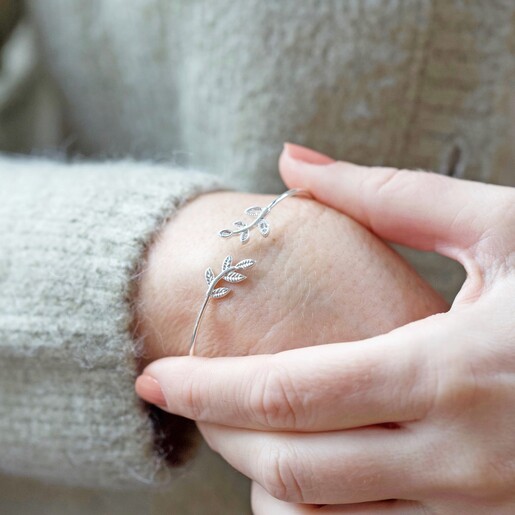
(72, 236)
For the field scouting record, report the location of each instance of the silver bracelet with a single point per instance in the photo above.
(231, 273)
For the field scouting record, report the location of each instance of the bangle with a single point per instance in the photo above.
(260, 214)
(231, 273)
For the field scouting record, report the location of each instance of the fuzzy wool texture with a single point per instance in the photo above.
(217, 86)
(72, 236)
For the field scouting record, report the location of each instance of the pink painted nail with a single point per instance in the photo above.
(149, 390)
(306, 155)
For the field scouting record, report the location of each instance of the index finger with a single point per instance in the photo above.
(418, 209)
(327, 387)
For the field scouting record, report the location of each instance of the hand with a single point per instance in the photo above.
(374, 290)
(319, 277)
(308, 424)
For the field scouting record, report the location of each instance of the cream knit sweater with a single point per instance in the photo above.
(152, 90)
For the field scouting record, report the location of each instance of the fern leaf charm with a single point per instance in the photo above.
(228, 274)
(209, 275)
(259, 214)
(234, 277)
(218, 293)
(227, 263)
(246, 263)
(245, 235)
(253, 211)
(264, 228)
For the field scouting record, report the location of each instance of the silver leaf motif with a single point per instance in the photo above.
(218, 293)
(228, 273)
(234, 277)
(264, 228)
(246, 263)
(245, 236)
(242, 229)
(227, 263)
(209, 276)
(253, 211)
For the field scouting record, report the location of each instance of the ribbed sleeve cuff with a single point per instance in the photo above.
(72, 237)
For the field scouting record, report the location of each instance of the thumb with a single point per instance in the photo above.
(422, 210)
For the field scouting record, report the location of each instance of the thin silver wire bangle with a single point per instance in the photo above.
(230, 272)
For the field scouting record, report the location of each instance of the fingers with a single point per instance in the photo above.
(264, 504)
(383, 379)
(339, 467)
(418, 209)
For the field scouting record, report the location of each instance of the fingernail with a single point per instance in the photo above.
(149, 390)
(306, 155)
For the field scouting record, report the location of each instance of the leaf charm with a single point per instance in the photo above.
(246, 263)
(218, 293)
(259, 213)
(234, 277)
(253, 211)
(225, 233)
(209, 276)
(227, 263)
(227, 274)
(245, 236)
(264, 228)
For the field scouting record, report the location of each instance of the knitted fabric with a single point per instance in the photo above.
(72, 236)
(216, 85)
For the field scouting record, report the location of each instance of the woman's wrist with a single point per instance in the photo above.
(292, 296)
(172, 285)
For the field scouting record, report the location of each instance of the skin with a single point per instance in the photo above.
(319, 277)
(307, 424)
